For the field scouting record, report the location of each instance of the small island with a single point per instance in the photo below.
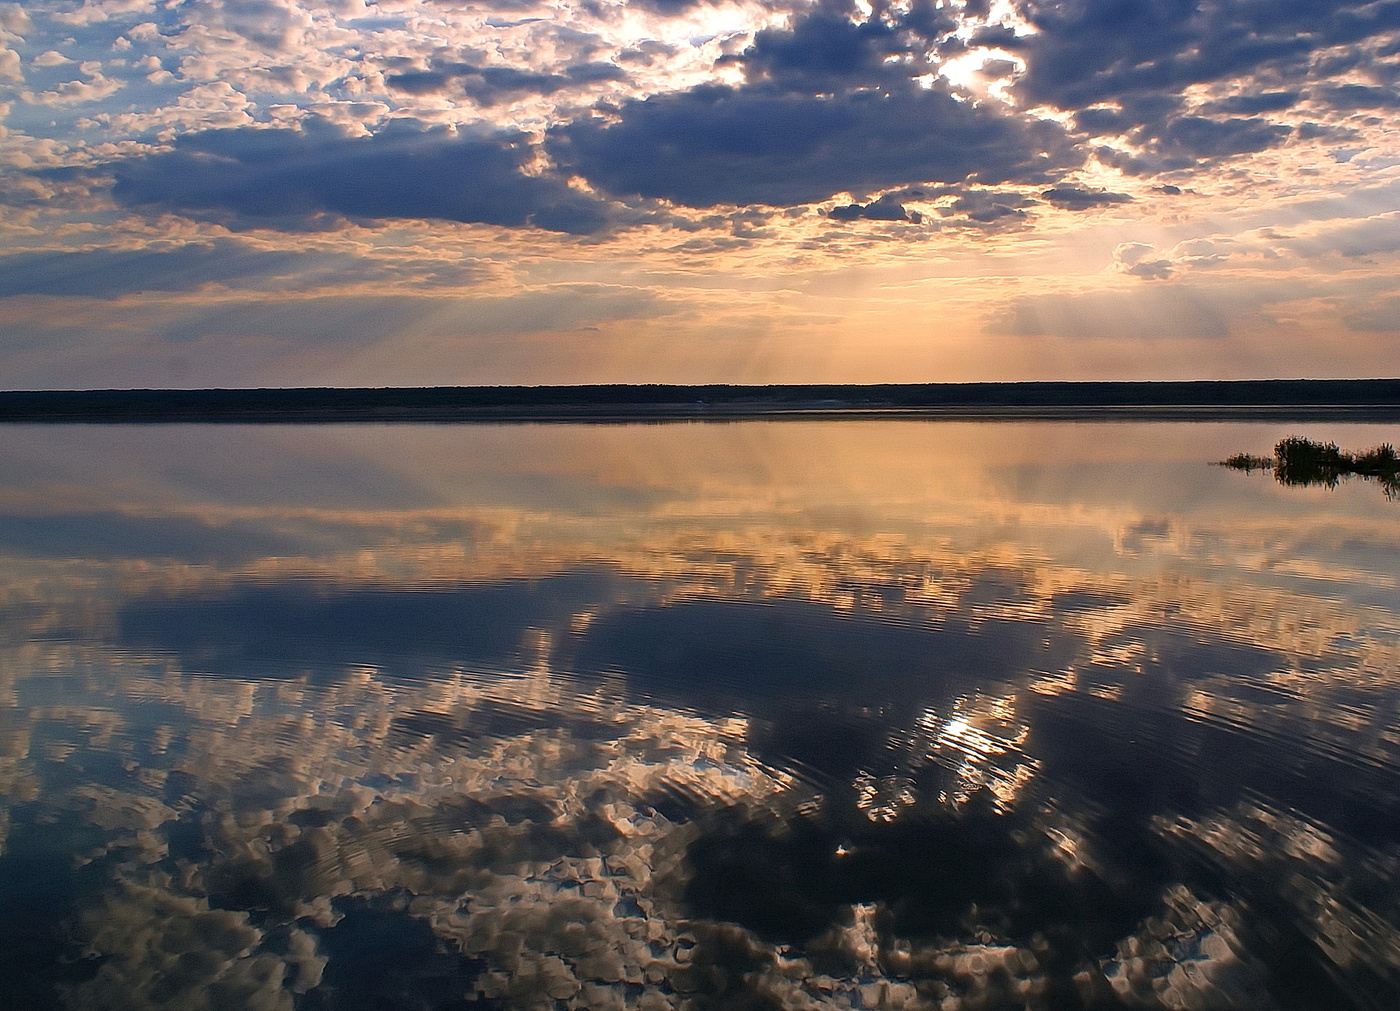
(1300, 461)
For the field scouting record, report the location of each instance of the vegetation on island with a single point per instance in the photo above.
(1299, 461)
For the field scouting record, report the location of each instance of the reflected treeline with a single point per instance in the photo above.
(1299, 461)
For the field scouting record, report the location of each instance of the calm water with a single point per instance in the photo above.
(765, 715)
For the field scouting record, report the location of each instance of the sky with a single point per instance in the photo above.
(274, 193)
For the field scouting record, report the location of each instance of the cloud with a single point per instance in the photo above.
(1200, 137)
(835, 103)
(1142, 260)
(294, 179)
(718, 145)
(829, 46)
(1077, 198)
(1381, 315)
(883, 209)
(77, 92)
(270, 24)
(1093, 51)
(1122, 68)
(1155, 312)
(113, 534)
(102, 273)
(365, 319)
(1253, 104)
(988, 207)
(1357, 237)
(490, 85)
(1358, 96)
(14, 20)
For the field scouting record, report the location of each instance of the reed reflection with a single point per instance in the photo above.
(702, 751)
(1301, 461)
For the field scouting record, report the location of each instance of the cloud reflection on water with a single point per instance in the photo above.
(759, 725)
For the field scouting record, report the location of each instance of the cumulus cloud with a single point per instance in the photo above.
(1079, 198)
(77, 92)
(719, 145)
(296, 178)
(884, 209)
(1100, 50)
(1122, 69)
(1141, 259)
(272, 24)
(14, 20)
(834, 103)
(987, 207)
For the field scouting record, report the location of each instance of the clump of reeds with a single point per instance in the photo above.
(1299, 461)
(1247, 463)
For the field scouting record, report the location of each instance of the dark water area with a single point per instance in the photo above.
(847, 714)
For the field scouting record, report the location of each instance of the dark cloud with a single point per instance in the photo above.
(1077, 198)
(102, 273)
(1200, 137)
(1091, 51)
(1254, 104)
(1323, 131)
(296, 179)
(1358, 96)
(839, 103)
(986, 207)
(834, 103)
(883, 209)
(669, 8)
(490, 85)
(1187, 142)
(827, 48)
(717, 145)
(1121, 66)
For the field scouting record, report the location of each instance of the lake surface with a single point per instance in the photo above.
(848, 714)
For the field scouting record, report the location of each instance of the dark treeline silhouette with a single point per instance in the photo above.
(657, 401)
(1299, 461)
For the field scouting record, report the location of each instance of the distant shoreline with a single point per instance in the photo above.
(1281, 399)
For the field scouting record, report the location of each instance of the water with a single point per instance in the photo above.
(761, 715)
